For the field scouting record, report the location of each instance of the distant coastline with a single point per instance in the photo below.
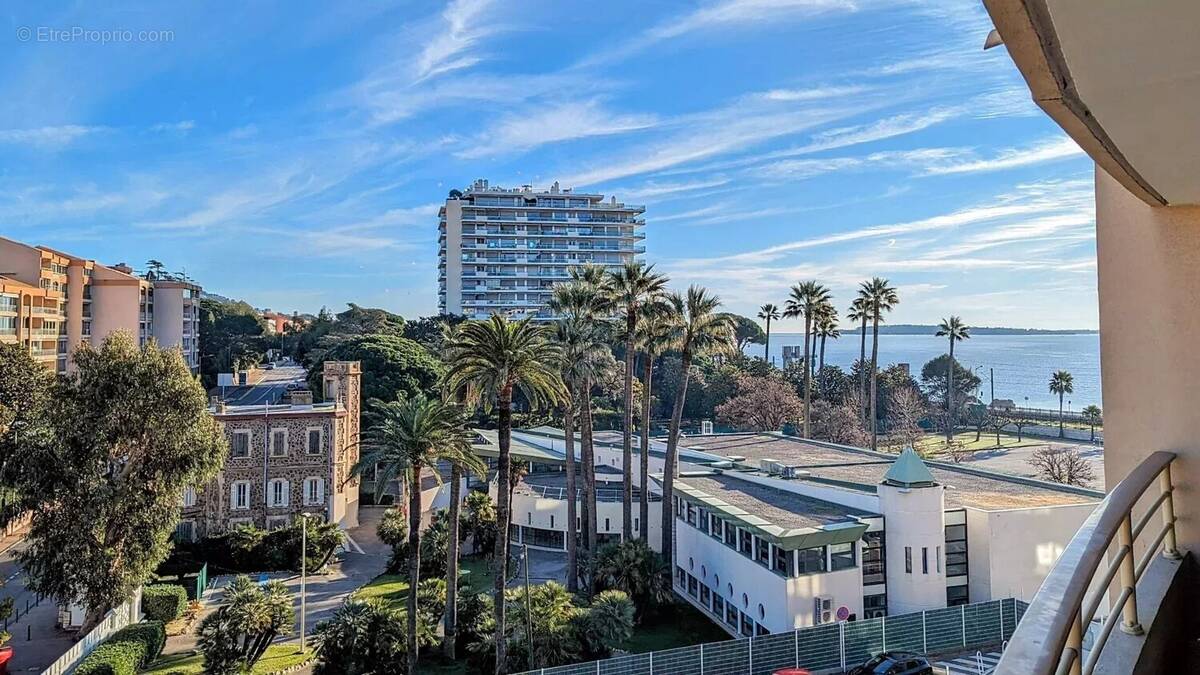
(930, 329)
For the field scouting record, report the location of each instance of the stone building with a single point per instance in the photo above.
(284, 460)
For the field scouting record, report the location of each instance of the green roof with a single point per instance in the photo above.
(908, 470)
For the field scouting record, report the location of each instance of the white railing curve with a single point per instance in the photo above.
(1049, 640)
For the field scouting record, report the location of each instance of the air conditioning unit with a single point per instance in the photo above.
(771, 466)
(822, 609)
(795, 472)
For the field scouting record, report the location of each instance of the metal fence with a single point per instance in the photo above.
(117, 618)
(829, 647)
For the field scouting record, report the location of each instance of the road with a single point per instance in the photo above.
(14, 577)
(269, 390)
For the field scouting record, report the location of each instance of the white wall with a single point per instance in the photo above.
(1010, 552)
(532, 511)
(914, 518)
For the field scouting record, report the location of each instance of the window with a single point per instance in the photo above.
(279, 492)
(747, 625)
(314, 490)
(607, 525)
(956, 550)
(551, 520)
(718, 528)
(762, 552)
(908, 560)
(702, 519)
(704, 595)
(693, 586)
(957, 595)
(680, 576)
(783, 563)
(745, 539)
(874, 565)
(731, 536)
(937, 558)
(278, 522)
(278, 442)
(189, 497)
(691, 514)
(875, 606)
(718, 605)
(924, 560)
(240, 443)
(760, 629)
(811, 560)
(731, 615)
(315, 446)
(841, 556)
(239, 496)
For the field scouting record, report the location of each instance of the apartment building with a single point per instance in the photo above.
(84, 301)
(284, 460)
(503, 250)
(774, 533)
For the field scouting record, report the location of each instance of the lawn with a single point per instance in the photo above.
(680, 626)
(933, 445)
(279, 657)
(393, 588)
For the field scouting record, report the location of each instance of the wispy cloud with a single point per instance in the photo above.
(1009, 158)
(544, 125)
(813, 94)
(181, 127)
(452, 47)
(48, 137)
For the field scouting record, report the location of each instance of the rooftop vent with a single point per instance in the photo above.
(794, 472)
(301, 397)
(771, 466)
(736, 458)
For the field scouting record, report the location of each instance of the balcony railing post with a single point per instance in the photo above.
(1129, 623)
(1170, 549)
(1075, 644)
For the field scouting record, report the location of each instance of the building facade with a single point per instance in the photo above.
(502, 250)
(284, 460)
(84, 302)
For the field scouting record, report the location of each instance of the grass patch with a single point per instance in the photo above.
(393, 588)
(277, 658)
(480, 573)
(681, 625)
(934, 445)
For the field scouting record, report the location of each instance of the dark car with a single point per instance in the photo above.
(895, 663)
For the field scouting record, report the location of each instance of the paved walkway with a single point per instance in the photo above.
(973, 664)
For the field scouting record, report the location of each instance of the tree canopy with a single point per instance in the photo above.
(746, 331)
(232, 337)
(933, 380)
(392, 366)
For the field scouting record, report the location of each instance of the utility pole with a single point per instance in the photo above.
(528, 606)
(992, 377)
(303, 575)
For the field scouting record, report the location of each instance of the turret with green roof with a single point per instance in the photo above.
(909, 471)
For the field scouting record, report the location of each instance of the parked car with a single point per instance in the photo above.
(895, 663)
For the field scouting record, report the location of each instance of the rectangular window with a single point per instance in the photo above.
(762, 552)
(731, 615)
(745, 540)
(841, 556)
(702, 520)
(908, 560)
(937, 558)
(811, 560)
(240, 494)
(718, 528)
(874, 606)
(718, 605)
(731, 535)
(924, 560)
(956, 550)
(782, 563)
(693, 586)
(704, 595)
(957, 595)
(189, 497)
(691, 513)
(747, 625)
(279, 492)
(760, 629)
(607, 525)
(239, 445)
(314, 491)
(278, 442)
(315, 446)
(874, 565)
(680, 577)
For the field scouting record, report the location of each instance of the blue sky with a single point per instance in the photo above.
(294, 154)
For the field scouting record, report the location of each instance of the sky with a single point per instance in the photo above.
(294, 154)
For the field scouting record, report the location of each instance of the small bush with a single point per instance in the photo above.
(164, 602)
(249, 549)
(127, 651)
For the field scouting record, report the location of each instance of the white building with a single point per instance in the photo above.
(502, 250)
(774, 533)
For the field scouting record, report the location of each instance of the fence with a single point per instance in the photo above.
(117, 618)
(831, 646)
(194, 581)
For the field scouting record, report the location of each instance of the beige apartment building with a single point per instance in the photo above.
(284, 460)
(76, 300)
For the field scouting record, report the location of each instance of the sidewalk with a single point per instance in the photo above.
(48, 641)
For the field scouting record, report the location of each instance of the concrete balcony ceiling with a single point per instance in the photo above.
(1122, 78)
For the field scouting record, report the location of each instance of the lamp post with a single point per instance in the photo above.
(528, 606)
(303, 575)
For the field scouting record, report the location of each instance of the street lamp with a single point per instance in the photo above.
(303, 574)
(528, 605)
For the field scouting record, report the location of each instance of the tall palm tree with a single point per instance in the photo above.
(702, 331)
(632, 285)
(450, 618)
(859, 312)
(767, 313)
(582, 349)
(657, 332)
(406, 437)
(805, 300)
(957, 331)
(495, 357)
(1061, 383)
(1093, 416)
(827, 328)
(879, 297)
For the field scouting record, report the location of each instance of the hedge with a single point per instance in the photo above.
(164, 602)
(127, 651)
(248, 549)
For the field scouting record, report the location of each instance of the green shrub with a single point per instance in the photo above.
(249, 549)
(164, 602)
(126, 651)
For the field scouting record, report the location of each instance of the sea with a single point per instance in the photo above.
(1017, 366)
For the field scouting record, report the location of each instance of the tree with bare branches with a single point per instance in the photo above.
(1062, 465)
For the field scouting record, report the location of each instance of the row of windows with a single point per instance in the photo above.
(723, 610)
(314, 442)
(785, 563)
(278, 493)
(956, 550)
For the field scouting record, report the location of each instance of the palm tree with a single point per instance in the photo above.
(879, 297)
(826, 328)
(631, 285)
(1093, 416)
(495, 357)
(859, 312)
(768, 312)
(702, 331)
(405, 438)
(957, 331)
(657, 331)
(450, 618)
(1061, 383)
(806, 300)
(578, 335)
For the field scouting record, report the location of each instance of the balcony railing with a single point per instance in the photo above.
(602, 494)
(1049, 640)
